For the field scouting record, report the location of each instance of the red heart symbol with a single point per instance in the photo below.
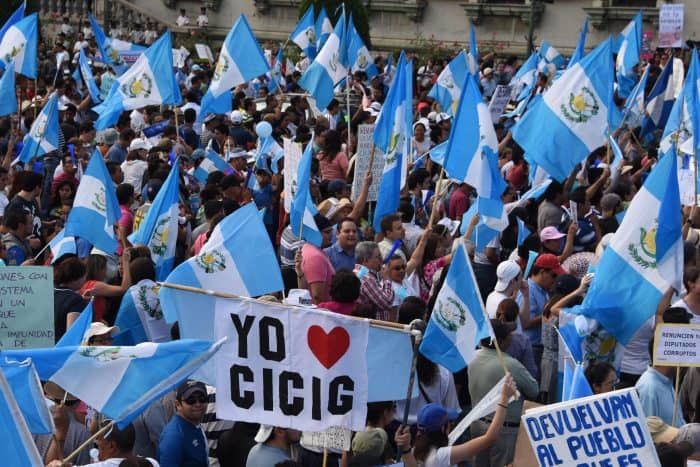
(328, 348)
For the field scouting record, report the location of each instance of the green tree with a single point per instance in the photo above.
(357, 8)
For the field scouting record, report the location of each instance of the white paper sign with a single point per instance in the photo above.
(603, 430)
(292, 156)
(671, 25)
(290, 367)
(499, 101)
(364, 150)
(335, 438)
(204, 52)
(677, 345)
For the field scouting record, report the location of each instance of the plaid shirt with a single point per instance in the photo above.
(375, 291)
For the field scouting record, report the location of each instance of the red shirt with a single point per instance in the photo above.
(459, 204)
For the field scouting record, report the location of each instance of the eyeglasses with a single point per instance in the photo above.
(193, 400)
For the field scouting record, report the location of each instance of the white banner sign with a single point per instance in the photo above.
(364, 150)
(290, 367)
(335, 438)
(292, 156)
(499, 101)
(204, 52)
(677, 345)
(671, 25)
(603, 430)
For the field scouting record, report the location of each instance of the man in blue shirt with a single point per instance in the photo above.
(273, 446)
(342, 253)
(182, 443)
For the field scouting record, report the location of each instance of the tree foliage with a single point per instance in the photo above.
(357, 8)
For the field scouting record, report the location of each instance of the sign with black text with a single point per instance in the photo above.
(364, 151)
(499, 101)
(290, 366)
(26, 307)
(677, 345)
(671, 25)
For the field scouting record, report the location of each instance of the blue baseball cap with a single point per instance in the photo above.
(433, 417)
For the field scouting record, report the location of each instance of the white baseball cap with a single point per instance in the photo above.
(236, 117)
(506, 272)
(139, 143)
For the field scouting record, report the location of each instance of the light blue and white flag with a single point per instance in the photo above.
(493, 219)
(140, 316)
(473, 56)
(240, 60)
(573, 341)
(523, 231)
(617, 158)
(324, 28)
(392, 135)
(458, 321)
(150, 81)
(579, 385)
(43, 135)
(304, 35)
(95, 209)
(548, 54)
(448, 87)
(573, 113)
(119, 382)
(26, 388)
(158, 230)
(275, 74)
(437, 153)
(628, 55)
(683, 119)
(61, 244)
(644, 258)
(330, 66)
(16, 17)
(19, 45)
(472, 149)
(303, 209)
(537, 190)
(359, 57)
(223, 265)
(19, 449)
(8, 99)
(76, 335)
(524, 80)
(659, 102)
(211, 163)
(580, 50)
(113, 51)
(88, 78)
(633, 112)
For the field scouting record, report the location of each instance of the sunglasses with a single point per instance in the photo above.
(193, 400)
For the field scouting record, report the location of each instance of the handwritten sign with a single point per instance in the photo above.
(605, 430)
(677, 345)
(499, 101)
(671, 25)
(292, 156)
(26, 307)
(334, 438)
(364, 150)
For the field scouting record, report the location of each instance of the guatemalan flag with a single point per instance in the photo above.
(140, 316)
(392, 135)
(473, 57)
(158, 230)
(223, 265)
(19, 45)
(324, 28)
(644, 259)
(303, 209)
(304, 35)
(43, 135)
(493, 219)
(119, 382)
(8, 99)
(240, 60)
(95, 209)
(549, 54)
(19, 449)
(111, 49)
(61, 244)
(150, 81)
(359, 57)
(633, 113)
(659, 102)
(77, 333)
(628, 55)
(580, 50)
(16, 17)
(458, 322)
(682, 120)
(275, 75)
(572, 114)
(211, 163)
(330, 66)
(525, 78)
(26, 387)
(88, 77)
(448, 86)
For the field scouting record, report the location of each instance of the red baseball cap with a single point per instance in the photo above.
(551, 262)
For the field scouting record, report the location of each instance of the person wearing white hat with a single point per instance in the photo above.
(488, 82)
(274, 445)
(508, 284)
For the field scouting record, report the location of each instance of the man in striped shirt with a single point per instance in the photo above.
(375, 290)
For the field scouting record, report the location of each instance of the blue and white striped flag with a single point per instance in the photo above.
(14, 18)
(43, 135)
(683, 119)
(644, 258)
(303, 209)
(448, 87)
(579, 385)
(580, 50)
(240, 60)
(19, 449)
(8, 99)
(19, 45)
(659, 102)
(95, 209)
(633, 113)
(113, 50)
(150, 81)
(525, 78)
(76, 334)
(275, 74)
(359, 57)
(211, 163)
(120, 382)
(392, 135)
(628, 55)
(548, 54)
(573, 114)
(60, 245)
(158, 230)
(493, 219)
(140, 316)
(473, 56)
(329, 67)
(304, 35)
(617, 158)
(324, 28)
(26, 388)
(88, 78)
(458, 322)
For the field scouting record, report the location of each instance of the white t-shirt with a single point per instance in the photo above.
(681, 304)
(202, 20)
(439, 457)
(133, 173)
(114, 462)
(635, 357)
(3, 202)
(182, 21)
(441, 391)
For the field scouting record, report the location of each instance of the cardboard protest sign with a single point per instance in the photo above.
(671, 25)
(499, 101)
(26, 307)
(605, 430)
(524, 455)
(290, 367)
(677, 345)
(292, 156)
(364, 150)
(204, 52)
(335, 438)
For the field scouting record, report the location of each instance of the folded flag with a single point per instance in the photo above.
(458, 322)
(96, 208)
(448, 86)
(304, 35)
(27, 390)
(303, 208)
(486, 406)
(211, 163)
(8, 100)
(19, 45)
(19, 449)
(76, 335)
(61, 245)
(628, 55)
(240, 60)
(43, 135)
(88, 77)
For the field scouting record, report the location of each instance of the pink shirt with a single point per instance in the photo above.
(317, 267)
(335, 169)
(126, 221)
